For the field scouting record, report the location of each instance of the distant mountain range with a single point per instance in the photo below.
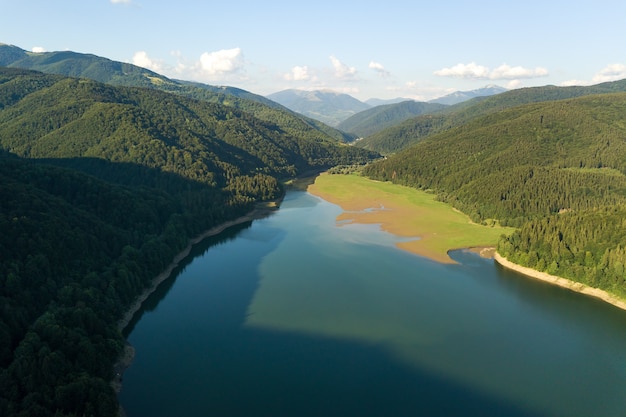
(461, 96)
(326, 106)
(335, 109)
(382, 102)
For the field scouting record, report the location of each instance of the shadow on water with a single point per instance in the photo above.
(229, 369)
(199, 249)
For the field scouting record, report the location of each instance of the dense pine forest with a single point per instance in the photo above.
(101, 186)
(410, 132)
(76, 252)
(561, 162)
(587, 246)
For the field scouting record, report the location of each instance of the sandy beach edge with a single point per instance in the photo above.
(128, 354)
(561, 282)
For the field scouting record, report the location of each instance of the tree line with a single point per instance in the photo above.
(558, 162)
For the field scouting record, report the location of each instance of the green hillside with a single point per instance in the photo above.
(414, 130)
(76, 251)
(373, 120)
(524, 163)
(104, 70)
(101, 187)
(45, 116)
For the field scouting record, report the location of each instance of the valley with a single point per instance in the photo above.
(109, 170)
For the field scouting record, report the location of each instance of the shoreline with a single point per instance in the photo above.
(128, 354)
(429, 228)
(561, 282)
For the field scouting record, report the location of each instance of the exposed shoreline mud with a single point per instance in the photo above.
(562, 282)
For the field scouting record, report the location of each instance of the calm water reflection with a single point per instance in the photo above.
(293, 315)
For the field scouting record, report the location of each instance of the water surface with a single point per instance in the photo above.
(294, 315)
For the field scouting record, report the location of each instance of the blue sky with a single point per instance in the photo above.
(369, 49)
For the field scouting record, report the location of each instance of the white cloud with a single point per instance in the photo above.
(471, 70)
(222, 63)
(513, 84)
(298, 74)
(38, 49)
(380, 69)
(120, 1)
(506, 72)
(342, 71)
(480, 72)
(612, 72)
(141, 59)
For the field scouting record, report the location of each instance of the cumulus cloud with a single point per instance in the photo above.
(342, 71)
(141, 59)
(222, 63)
(380, 69)
(506, 72)
(513, 84)
(38, 49)
(480, 72)
(298, 73)
(471, 70)
(612, 72)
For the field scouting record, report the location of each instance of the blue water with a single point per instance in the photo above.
(295, 315)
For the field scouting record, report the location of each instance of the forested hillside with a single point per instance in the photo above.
(76, 251)
(101, 187)
(525, 164)
(52, 116)
(414, 130)
(370, 121)
(587, 246)
(116, 73)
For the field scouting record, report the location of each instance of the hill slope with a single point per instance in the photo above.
(461, 96)
(414, 130)
(116, 73)
(51, 116)
(497, 166)
(76, 251)
(373, 120)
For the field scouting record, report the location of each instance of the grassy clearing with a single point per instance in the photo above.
(405, 212)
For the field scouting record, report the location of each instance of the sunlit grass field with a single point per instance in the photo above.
(406, 212)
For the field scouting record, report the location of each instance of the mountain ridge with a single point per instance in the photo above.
(414, 130)
(104, 70)
(327, 106)
(461, 96)
(370, 121)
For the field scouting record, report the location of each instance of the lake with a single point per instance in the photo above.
(296, 315)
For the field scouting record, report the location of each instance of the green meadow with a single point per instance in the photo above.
(407, 212)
